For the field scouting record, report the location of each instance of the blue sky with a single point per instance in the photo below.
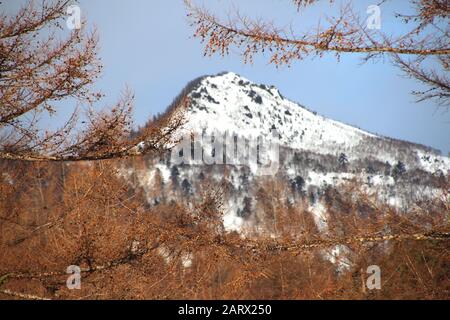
(147, 45)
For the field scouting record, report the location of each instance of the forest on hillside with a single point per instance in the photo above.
(74, 226)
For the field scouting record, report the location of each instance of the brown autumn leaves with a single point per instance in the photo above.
(422, 53)
(63, 203)
(41, 74)
(61, 214)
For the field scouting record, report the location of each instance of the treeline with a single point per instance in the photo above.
(54, 216)
(186, 182)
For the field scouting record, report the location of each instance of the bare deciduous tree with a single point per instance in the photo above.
(39, 72)
(53, 215)
(422, 53)
(97, 221)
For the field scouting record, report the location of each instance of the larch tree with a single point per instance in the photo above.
(42, 71)
(422, 53)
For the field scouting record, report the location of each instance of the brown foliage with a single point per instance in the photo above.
(346, 33)
(39, 72)
(56, 215)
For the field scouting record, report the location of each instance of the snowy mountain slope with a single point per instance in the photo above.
(235, 104)
(229, 102)
(316, 153)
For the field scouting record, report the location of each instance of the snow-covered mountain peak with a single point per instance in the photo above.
(316, 154)
(230, 102)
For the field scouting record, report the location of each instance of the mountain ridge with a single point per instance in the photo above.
(317, 155)
(234, 103)
(194, 84)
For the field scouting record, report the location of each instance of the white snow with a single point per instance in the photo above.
(230, 103)
(235, 108)
(165, 172)
(231, 222)
(320, 215)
